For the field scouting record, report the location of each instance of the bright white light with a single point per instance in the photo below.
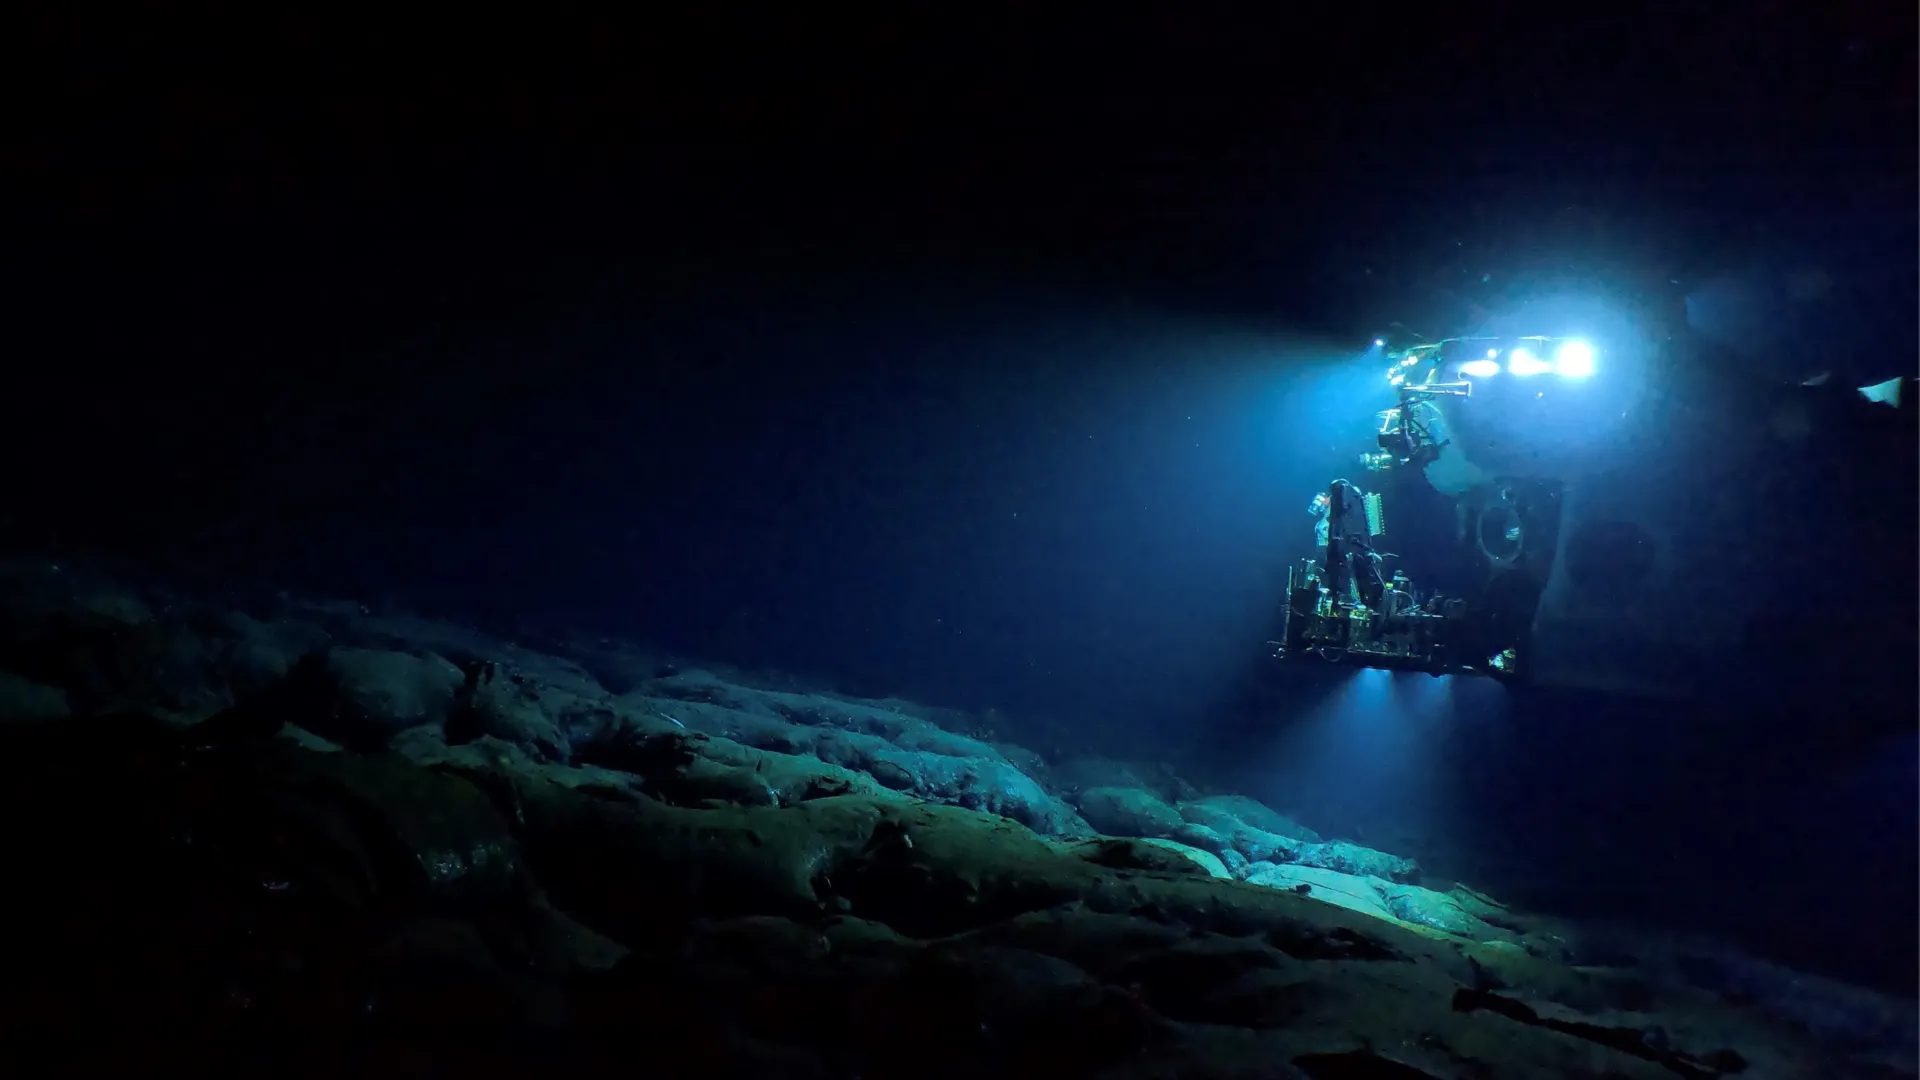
(1574, 360)
(1521, 362)
(1480, 369)
(1493, 354)
(1379, 343)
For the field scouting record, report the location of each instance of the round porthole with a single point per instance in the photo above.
(1501, 534)
(1610, 555)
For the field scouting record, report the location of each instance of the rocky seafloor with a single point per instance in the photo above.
(305, 835)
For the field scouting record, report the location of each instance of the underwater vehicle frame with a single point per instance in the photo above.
(1508, 535)
(1630, 509)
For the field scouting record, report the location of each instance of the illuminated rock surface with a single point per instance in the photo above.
(310, 831)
